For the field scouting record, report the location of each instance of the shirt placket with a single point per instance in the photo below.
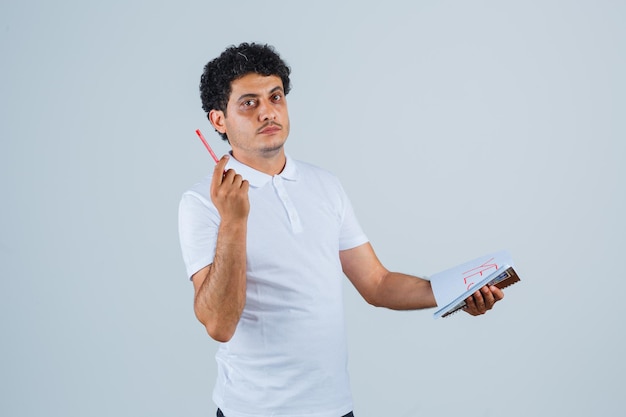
(292, 213)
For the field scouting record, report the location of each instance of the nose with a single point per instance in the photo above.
(266, 111)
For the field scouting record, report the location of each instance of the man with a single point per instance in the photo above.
(266, 241)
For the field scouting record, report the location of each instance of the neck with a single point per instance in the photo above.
(270, 163)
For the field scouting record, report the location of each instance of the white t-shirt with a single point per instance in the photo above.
(288, 355)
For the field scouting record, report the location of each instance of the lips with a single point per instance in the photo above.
(270, 129)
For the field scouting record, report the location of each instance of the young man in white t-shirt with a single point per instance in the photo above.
(266, 240)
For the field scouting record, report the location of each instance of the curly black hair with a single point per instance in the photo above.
(234, 63)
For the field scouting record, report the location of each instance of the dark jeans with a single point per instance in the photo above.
(220, 414)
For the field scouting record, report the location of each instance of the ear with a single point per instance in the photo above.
(216, 117)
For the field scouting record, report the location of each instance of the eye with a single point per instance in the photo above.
(249, 103)
(277, 97)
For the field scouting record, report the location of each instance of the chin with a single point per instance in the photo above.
(274, 145)
(272, 149)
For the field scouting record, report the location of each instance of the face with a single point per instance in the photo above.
(256, 118)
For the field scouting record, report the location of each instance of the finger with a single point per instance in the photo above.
(218, 176)
(237, 180)
(488, 297)
(233, 180)
(470, 305)
(498, 294)
(479, 302)
(218, 171)
(228, 176)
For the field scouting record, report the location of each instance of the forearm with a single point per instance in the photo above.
(221, 297)
(383, 288)
(403, 292)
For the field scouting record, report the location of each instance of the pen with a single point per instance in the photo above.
(206, 145)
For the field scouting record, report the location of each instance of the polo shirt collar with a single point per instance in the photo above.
(258, 179)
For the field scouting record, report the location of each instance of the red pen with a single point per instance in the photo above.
(206, 145)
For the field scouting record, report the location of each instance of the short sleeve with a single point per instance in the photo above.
(351, 234)
(198, 222)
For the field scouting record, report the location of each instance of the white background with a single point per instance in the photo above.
(458, 128)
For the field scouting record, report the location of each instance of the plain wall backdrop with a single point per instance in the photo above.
(457, 128)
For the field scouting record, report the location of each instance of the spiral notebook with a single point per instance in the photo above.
(452, 286)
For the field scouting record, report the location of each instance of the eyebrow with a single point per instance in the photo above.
(253, 95)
